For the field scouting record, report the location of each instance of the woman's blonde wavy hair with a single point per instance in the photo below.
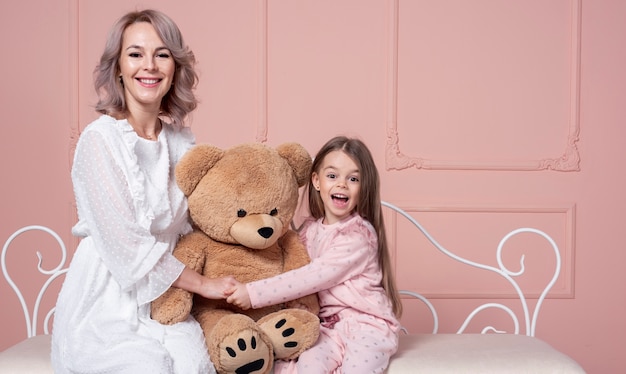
(180, 99)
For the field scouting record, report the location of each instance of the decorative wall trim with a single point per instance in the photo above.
(564, 287)
(74, 99)
(261, 134)
(396, 159)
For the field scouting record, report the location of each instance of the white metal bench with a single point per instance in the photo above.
(492, 351)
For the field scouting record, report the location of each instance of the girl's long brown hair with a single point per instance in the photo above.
(368, 206)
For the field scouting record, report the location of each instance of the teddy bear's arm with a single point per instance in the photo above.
(297, 256)
(295, 253)
(190, 250)
(174, 305)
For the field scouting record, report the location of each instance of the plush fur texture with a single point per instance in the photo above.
(241, 202)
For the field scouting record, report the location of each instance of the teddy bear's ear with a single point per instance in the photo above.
(194, 165)
(299, 159)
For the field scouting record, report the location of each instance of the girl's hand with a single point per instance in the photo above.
(239, 296)
(217, 288)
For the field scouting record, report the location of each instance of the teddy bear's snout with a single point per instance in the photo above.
(257, 231)
(266, 232)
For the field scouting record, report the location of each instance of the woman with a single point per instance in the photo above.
(131, 212)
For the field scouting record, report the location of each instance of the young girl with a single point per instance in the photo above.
(350, 268)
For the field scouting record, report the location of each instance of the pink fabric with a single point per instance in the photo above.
(330, 321)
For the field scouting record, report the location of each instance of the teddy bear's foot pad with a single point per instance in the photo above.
(245, 355)
(291, 331)
(243, 351)
(249, 367)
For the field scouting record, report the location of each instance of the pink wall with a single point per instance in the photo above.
(482, 115)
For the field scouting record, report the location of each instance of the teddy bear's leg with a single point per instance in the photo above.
(309, 303)
(235, 343)
(291, 331)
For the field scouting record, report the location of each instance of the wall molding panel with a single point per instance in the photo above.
(74, 102)
(566, 159)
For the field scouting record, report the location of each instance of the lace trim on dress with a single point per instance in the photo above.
(145, 215)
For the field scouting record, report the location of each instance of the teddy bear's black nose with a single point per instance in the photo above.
(266, 232)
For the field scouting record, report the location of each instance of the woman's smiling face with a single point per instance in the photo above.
(146, 66)
(338, 182)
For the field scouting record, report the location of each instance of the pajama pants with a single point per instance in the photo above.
(358, 343)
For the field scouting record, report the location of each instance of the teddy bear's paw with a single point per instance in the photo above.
(171, 307)
(245, 353)
(291, 331)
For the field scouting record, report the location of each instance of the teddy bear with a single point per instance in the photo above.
(241, 203)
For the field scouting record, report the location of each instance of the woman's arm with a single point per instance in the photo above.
(111, 217)
(210, 288)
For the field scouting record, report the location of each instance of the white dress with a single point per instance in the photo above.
(130, 215)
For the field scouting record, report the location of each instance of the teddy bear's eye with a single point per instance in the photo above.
(274, 212)
(241, 213)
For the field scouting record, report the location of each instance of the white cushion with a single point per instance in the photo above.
(478, 353)
(418, 353)
(30, 356)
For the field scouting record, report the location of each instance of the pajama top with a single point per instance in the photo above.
(130, 216)
(344, 272)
